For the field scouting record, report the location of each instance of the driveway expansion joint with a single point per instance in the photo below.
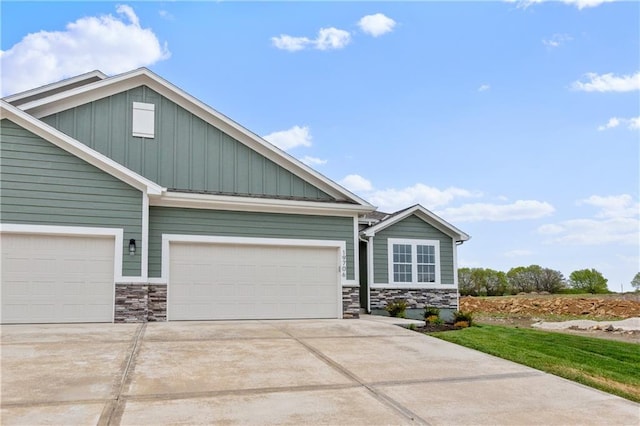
(381, 397)
(113, 409)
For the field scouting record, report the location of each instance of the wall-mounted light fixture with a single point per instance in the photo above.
(132, 247)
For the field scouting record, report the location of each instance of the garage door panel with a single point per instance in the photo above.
(55, 278)
(252, 281)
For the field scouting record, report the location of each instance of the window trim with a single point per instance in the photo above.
(414, 261)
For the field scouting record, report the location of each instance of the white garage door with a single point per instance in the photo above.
(236, 281)
(51, 278)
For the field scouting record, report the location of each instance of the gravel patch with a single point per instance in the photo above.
(629, 324)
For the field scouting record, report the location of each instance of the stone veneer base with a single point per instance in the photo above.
(416, 298)
(148, 302)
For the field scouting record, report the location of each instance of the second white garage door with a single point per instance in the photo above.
(238, 281)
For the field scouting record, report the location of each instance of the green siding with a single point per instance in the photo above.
(186, 154)
(411, 227)
(45, 185)
(166, 220)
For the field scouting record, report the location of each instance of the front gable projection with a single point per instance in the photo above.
(187, 154)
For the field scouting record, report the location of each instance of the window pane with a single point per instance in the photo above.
(402, 263)
(426, 273)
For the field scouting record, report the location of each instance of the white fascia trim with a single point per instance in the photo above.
(78, 149)
(53, 86)
(266, 205)
(144, 269)
(455, 263)
(116, 233)
(425, 215)
(143, 76)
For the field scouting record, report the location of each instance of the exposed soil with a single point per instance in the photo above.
(525, 310)
(592, 307)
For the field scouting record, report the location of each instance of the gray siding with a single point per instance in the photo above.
(44, 185)
(414, 228)
(186, 154)
(166, 220)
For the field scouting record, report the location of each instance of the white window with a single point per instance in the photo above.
(143, 122)
(414, 262)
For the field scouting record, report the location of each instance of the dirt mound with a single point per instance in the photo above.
(593, 307)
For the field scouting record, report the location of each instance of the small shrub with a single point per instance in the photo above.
(431, 311)
(412, 327)
(459, 316)
(461, 324)
(396, 308)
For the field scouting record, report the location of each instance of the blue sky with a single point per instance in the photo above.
(518, 122)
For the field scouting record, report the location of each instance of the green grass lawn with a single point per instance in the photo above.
(610, 366)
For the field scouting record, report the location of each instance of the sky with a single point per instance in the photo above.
(516, 121)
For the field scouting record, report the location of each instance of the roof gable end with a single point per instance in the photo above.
(422, 213)
(143, 77)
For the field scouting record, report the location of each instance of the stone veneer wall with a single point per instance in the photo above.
(415, 298)
(148, 302)
(350, 302)
(140, 302)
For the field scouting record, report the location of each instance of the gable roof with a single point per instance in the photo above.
(80, 95)
(53, 88)
(422, 213)
(78, 149)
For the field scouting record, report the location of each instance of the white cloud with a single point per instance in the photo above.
(613, 122)
(632, 123)
(615, 222)
(518, 210)
(313, 161)
(166, 15)
(594, 232)
(484, 88)
(332, 38)
(580, 4)
(327, 39)
(428, 196)
(376, 25)
(556, 40)
(292, 44)
(613, 205)
(356, 183)
(110, 44)
(287, 139)
(608, 83)
(518, 253)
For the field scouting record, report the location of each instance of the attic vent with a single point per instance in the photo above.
(143, 120)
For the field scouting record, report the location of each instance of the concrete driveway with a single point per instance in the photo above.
(277, 372)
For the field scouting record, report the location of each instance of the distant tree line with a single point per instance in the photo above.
(527, 279)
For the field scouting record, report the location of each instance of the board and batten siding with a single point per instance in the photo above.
(168, 220)
(415, 228)
(41, 184)
(186, 154)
